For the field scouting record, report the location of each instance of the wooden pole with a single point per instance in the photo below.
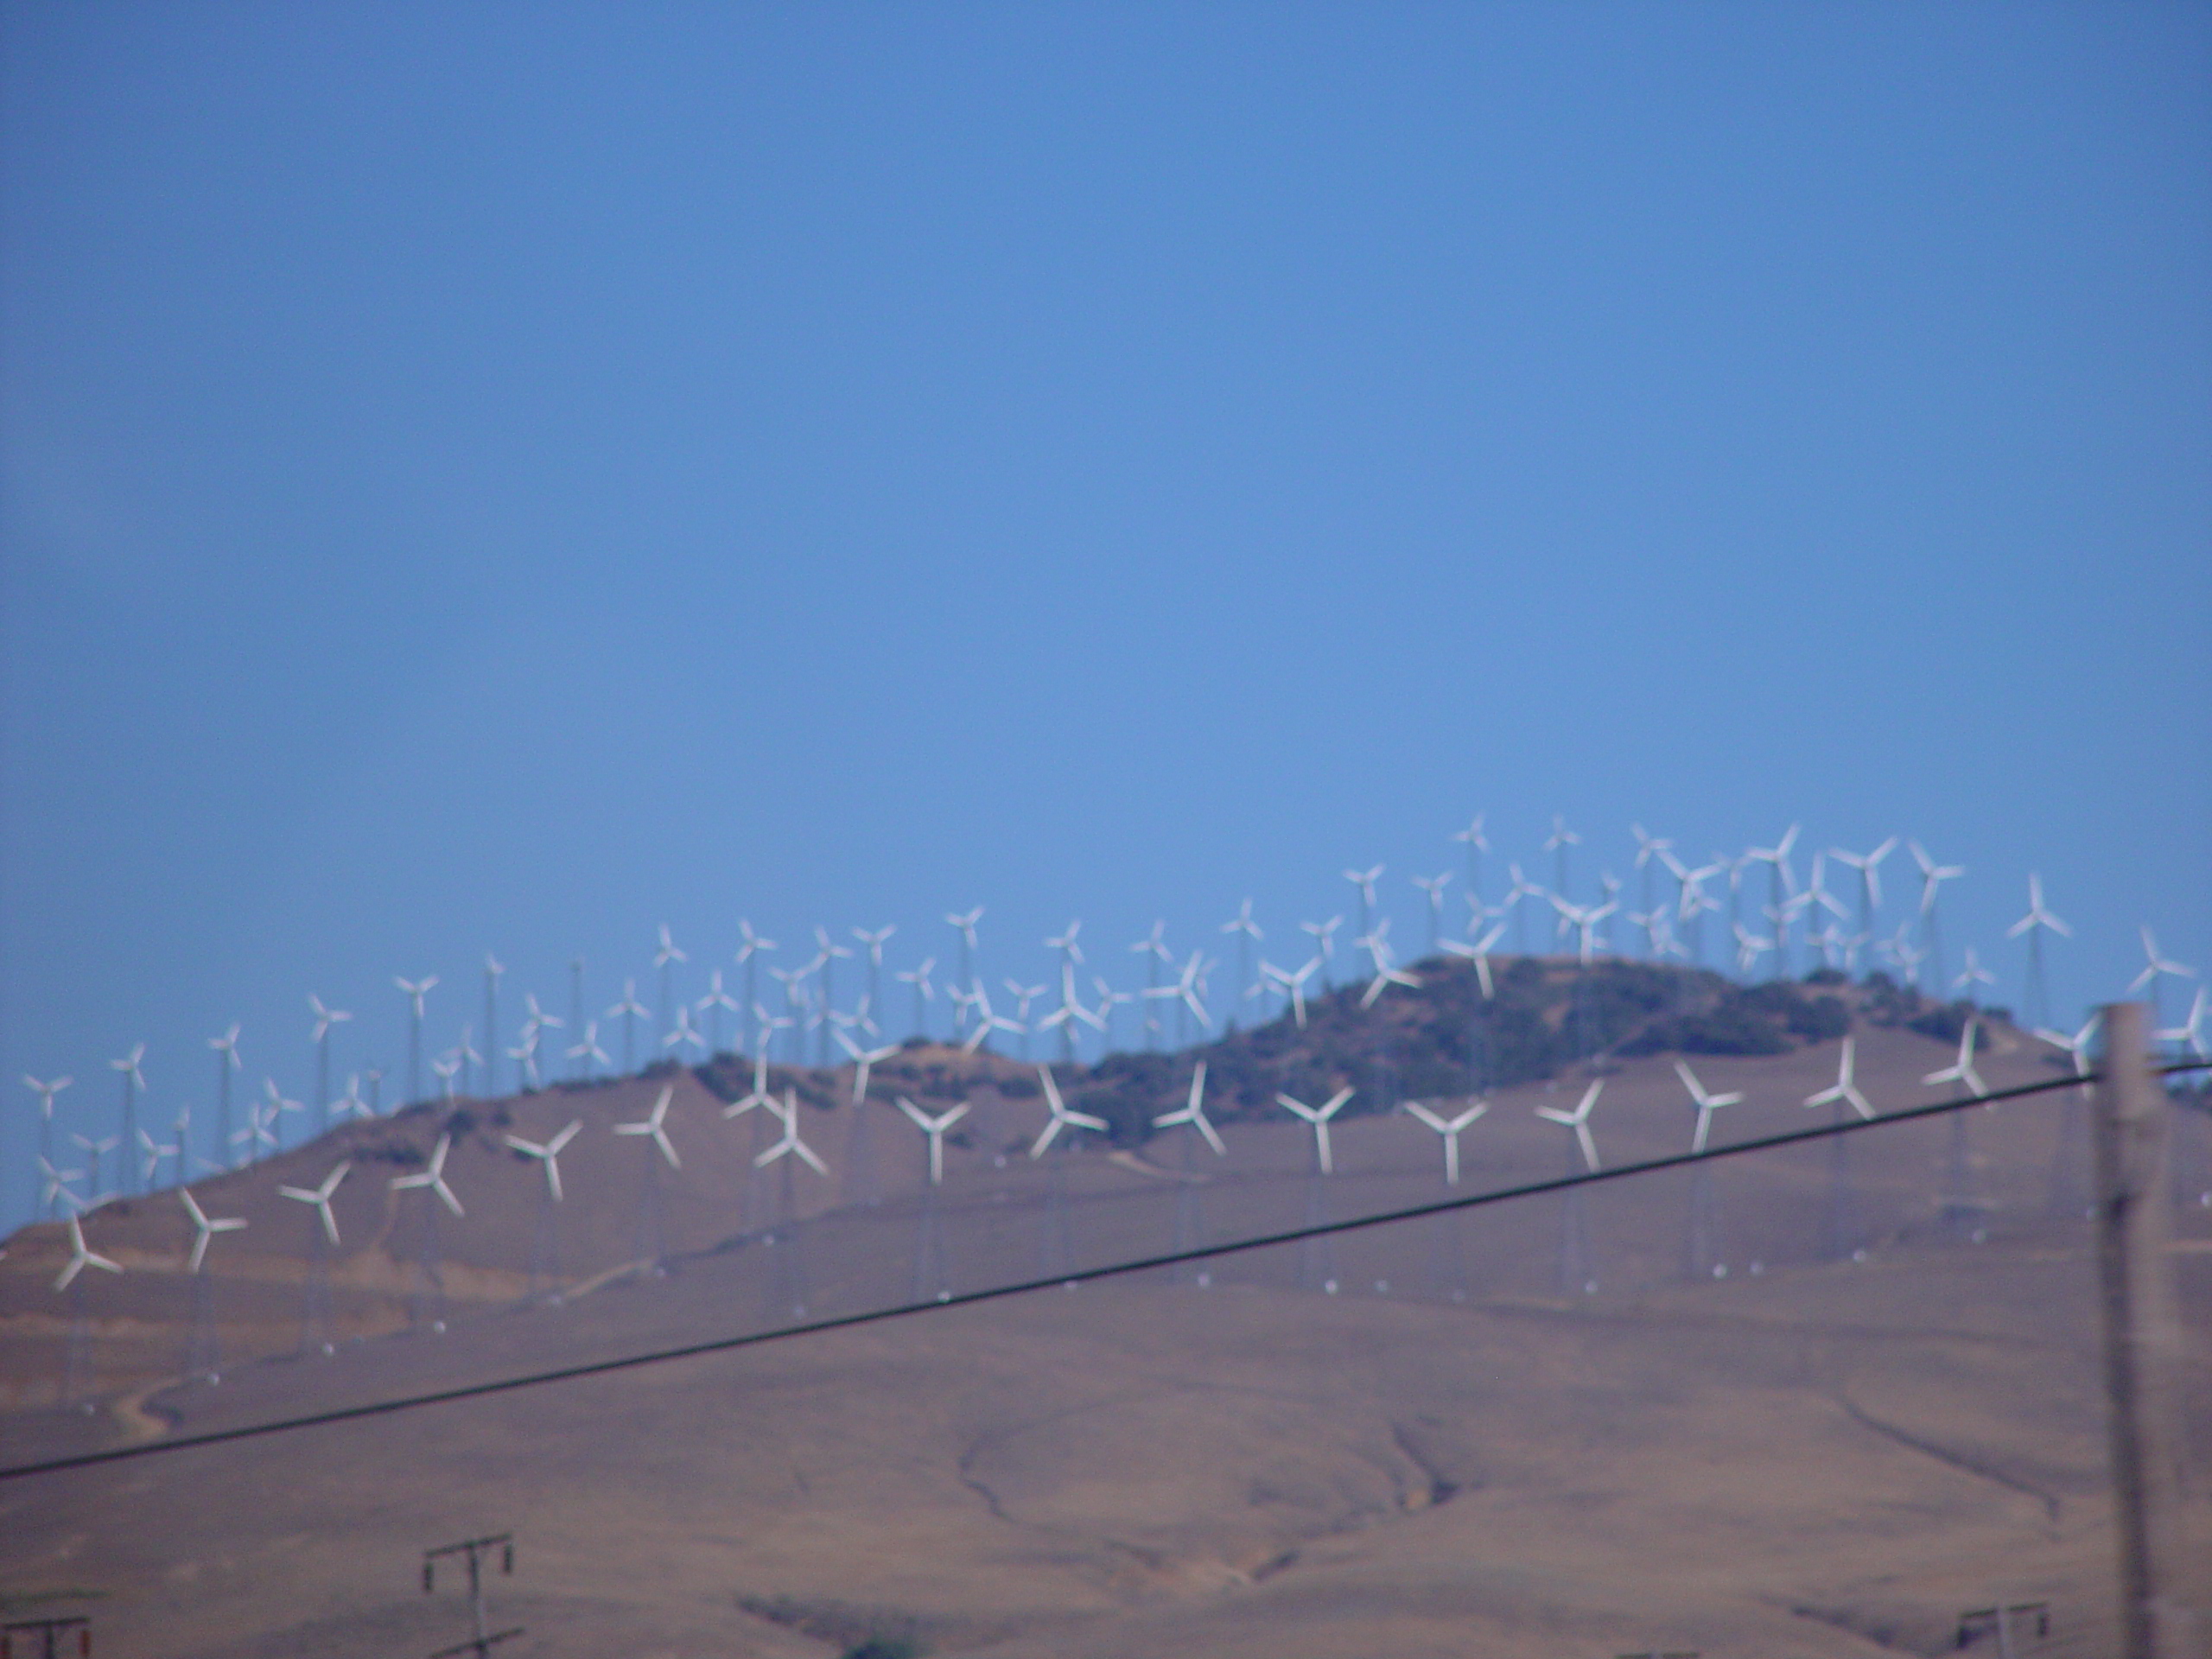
(2160, 1615)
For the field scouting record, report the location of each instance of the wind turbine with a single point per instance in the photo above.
(415, 991)
(1248, 934)
(81, 1256)
(2155, 967)
(1293, 985)
(55, 1187)
(274, 1108)
(1932, 876)
(753, 944)
(965, 923)
(2035, 1003)
(1061, 1117)
(677, 1040)
(1023, 996)
(1376, 944)
(789, 1145)
(1703, 1249)
(45, 1092)
(324, 1017)
(1579, 1121)
(492, 968)
(227, 1061)
(665, 957)
(1869, 866)
(431, 1176)
(320, 1197)
(654, 1126)
(1649, 849)
(1781, 889)
(1843, 1227)
(1750, 947)
(1975, 974)
(1449, 1128)
(2191, 1033)
(1057, 1245)
(1433, 886)
(935, 1128)
(586, 1053)
(1325, 945)
(95, 1151)
(629, 1010)
(826, 955)
(1194, 1112)
(1707, 1104)
(1471, 837)
(1957, 1208)
(133, 1081)
(1364, 880)
(446, 1068)
(760, 1095)
(987, 1022)
(1574, 1250)
(200, 1354)
(1190, 1221)
(524, 1054)
(151, 1151)
(1153, 952)
(1519, 887)
(712, 1005)
(875, 941)
(1556, 844)
(919, 978)
(1317, 1118)
(545, 1248)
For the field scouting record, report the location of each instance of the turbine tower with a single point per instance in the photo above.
(1432, 887)
(1702, 1257)
(629, 1010)
(1932, 876)
(1364, 880)
(1557, 843)
(1248, 934)
(1843, 1230)
(1576, 1265)
(964, 922)
(932, 1257)
(753, 944)
(227, 1061)
(919, 977)
(1190, 1219)
(45, 1092)
(875, 941)
(1316, 1256)
(492, 968)
(1472, 837)
(1059, 1246)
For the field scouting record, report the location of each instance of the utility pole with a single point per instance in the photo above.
(476, 1549)
(2161, 1610)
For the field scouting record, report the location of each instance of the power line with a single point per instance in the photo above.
(1081, 1276)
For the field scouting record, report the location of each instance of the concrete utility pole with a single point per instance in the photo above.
(2162, 1584)
(476, 1549)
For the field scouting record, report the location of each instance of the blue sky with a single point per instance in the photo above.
(507, 477)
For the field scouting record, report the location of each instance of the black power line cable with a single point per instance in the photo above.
(1082, 1275)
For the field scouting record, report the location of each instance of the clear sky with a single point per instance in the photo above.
(504, 477)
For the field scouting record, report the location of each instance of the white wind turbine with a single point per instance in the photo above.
(1707, 1104)
(585, 1054)
(1471, 838)
(1650, 850)
(1519, 887)
(1961, 1071)
(1154, 952)
(683, 1035)
(1317, 1118)
(1248, 934)
(750, 946)
(227, 1061)
(415, 991)
(875, 941)
(864, 1060)
(133, 1082)
(446, 1068)
(1750, 947)
(1932, 876)
(825, 957)
(320, 1197)
(54, 1188)
(1061, 1117)
(665, 957)
(1325, 945)
(2036, 1001)
(979, 1000)
(2065, 1195)
(324, 1017)
(150, 1153)
(1387, 973)
(935, 1128)
(1869, 867)
(1194, 1112)
(1574, 1249)
(81, 1256)
(1293, 985)
(548, 1155)
(1845, 1090)
(1432, 887)
(919, 977)
(1478, 952)
(204, 1229)
(1975, 975)
(1364, 880)
(1843, 1227)
(758, 1094)
(629, 1010)
(713, 1005)
(2156, 968)
(1578, 1122)
(1556, 844)
(431, 1176)
(274, 1106)
(1781, 888)
(45, 1092)
(654, 1125)
(789, 1145)
(964, 922)
(2191, 1033)
(1449, 1128)
(95, 1152)
(1024, 996)
(524, 1054)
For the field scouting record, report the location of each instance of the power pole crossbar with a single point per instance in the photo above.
(476, 1550)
